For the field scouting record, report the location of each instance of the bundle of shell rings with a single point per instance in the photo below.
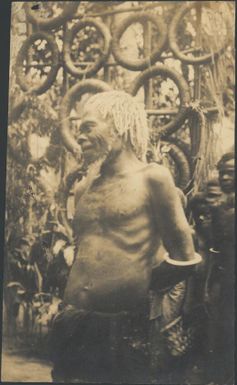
(109, 45)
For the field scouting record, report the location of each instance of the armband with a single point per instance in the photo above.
(197, 259)
(213, 251)
(170, 272)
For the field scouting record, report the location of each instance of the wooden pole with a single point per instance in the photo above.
(194, 132)
(30, 216)
(128, 9)
(65, 87)
(107, 72)
(147, 52)
(65, 76)
(148, 84)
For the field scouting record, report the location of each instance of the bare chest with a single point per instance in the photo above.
(112, 203)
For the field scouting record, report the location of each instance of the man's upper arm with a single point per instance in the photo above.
(168, 214)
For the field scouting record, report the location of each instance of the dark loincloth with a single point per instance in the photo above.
(97, 347)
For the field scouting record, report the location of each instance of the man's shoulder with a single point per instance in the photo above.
(160, 181)
(157, 173)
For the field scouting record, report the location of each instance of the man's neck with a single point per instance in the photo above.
(120, 164)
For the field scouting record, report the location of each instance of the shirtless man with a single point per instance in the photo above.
(125, 209)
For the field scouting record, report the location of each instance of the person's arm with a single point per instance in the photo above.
(172, 226)
(169, 215)
(213, 255)
(213, 252)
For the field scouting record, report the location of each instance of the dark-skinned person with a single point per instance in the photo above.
(124, 209)
(200, 206)
(220, 285)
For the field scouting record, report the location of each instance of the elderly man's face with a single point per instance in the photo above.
(227, 176)
(97, 136)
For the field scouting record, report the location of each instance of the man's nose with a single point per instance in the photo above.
(82, 138)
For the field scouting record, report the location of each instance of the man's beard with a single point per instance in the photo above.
(95, 166)
(103, 152)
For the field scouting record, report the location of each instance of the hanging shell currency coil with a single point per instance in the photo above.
(184, 95)
(22, 55)
(139, 64)
(173, 36)
(92, 68)
(185, 147)
(180, 160)
(85, 86)
(33, 15)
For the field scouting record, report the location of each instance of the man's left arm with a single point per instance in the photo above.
(169, 215)
(172, 226)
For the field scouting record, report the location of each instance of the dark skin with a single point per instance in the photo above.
(121, 218)
(220, 282)
(213, 195)
(227, 176)
(223, 220)
(223, 213)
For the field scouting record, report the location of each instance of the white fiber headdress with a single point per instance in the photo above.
(128, 115)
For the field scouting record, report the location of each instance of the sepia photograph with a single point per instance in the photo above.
(119, 244)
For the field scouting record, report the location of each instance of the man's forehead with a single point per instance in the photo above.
(90, 113)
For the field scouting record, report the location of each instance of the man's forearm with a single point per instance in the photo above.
(179, 243)
(172, 271)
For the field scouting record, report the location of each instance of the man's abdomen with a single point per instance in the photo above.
(106, 277)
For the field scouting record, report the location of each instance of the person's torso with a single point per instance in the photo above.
(116, 239)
